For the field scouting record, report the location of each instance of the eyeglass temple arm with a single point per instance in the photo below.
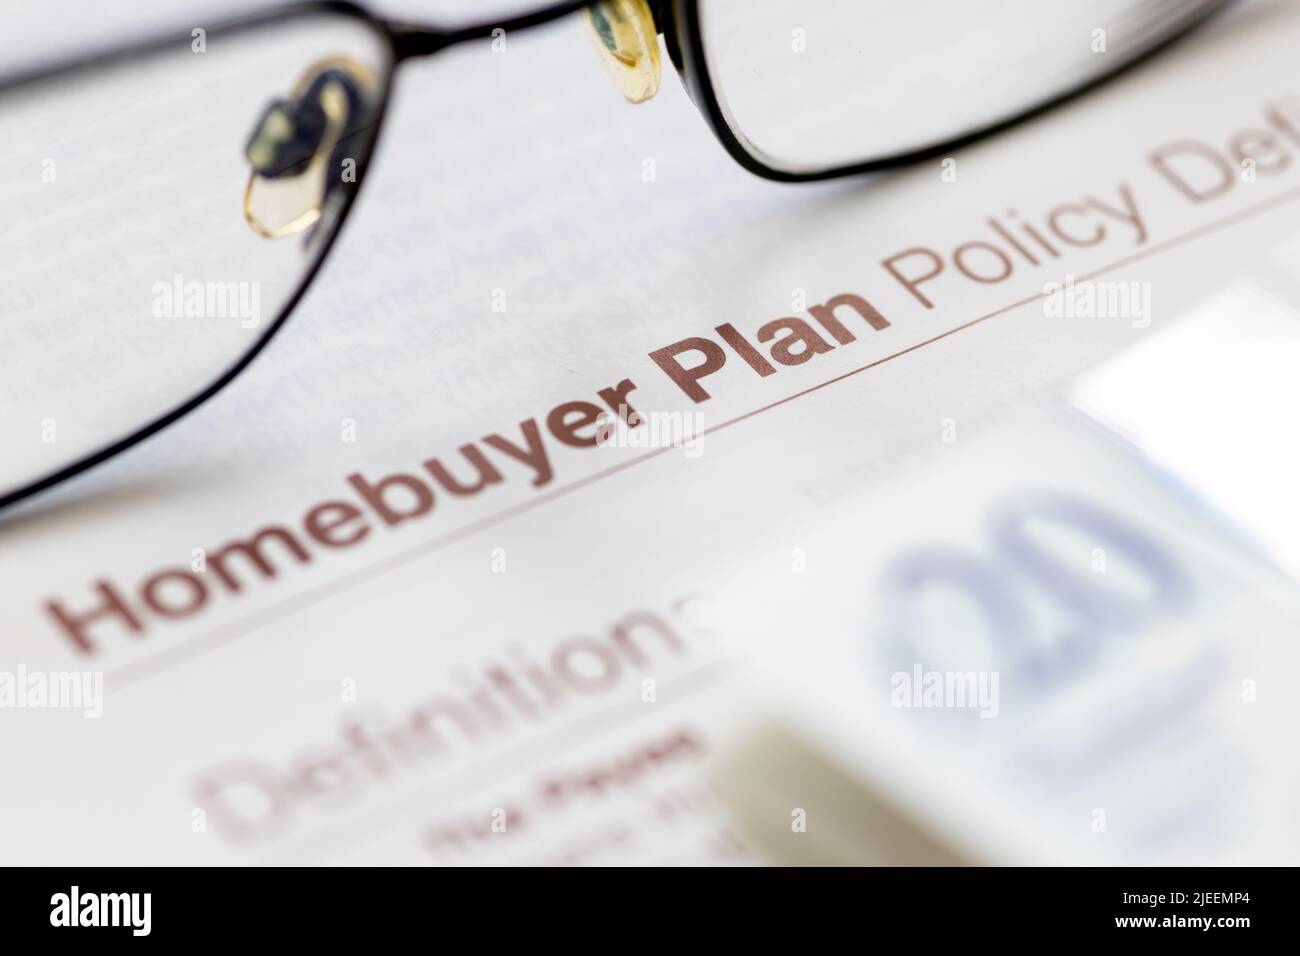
(416, 40)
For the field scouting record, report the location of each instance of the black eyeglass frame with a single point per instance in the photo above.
(677, 20)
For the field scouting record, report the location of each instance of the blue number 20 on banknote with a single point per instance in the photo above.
(1041, 649)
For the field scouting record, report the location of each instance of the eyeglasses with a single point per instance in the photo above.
(164, 206)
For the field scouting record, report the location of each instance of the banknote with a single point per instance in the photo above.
(1040, 646)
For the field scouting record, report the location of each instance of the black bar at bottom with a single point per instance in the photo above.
(337, 905)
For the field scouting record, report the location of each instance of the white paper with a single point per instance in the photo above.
(519, 179)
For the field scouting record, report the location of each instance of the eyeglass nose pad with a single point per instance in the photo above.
(628, 45)
(285, 138)
(290, 149)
